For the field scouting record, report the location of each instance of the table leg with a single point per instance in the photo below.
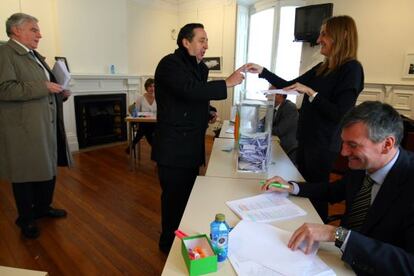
(130, 138)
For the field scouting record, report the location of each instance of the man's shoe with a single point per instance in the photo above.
(56, 213)
(52, 213)
(29, 230)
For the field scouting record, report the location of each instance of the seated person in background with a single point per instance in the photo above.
(285, 124)
(146, 103)
(376, 234)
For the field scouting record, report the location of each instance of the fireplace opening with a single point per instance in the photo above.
(100, 119)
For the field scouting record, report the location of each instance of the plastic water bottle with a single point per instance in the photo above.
(135, 112)
(220, 236)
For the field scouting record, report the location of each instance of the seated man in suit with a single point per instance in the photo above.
(285, 124)
(376, 234)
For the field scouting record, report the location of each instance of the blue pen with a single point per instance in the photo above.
(276, 185)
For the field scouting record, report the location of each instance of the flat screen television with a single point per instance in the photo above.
(308, 21)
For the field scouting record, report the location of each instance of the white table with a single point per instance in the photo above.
(223, 163)
(11, 271)
(226, 125)
(208, 197)
(130, 121)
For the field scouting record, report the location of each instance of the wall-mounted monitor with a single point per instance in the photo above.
(308, 21)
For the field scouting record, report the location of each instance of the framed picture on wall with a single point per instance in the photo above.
(64, 61)
(408, 70)
(213, 63)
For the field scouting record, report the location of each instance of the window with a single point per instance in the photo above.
(259, 49)
(270, 44)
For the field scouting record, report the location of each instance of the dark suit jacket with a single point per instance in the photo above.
(385, 244)
(183, 95)
(285, 124)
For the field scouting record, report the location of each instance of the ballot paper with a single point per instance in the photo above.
(261, 249)
(61, 74)
(266, 207)
(254, 149)
(280, 91)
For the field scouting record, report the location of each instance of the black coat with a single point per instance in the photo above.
(183, 95)
(318, 124)
(385, 243)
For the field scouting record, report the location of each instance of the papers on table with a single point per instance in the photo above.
(61, 74)
(261, 249)
(266, 207)
(280, 91)
(230, 130)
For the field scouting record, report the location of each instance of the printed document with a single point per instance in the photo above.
(266, 207)
(261, 249)
(61, 74)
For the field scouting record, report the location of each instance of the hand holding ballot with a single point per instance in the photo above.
(303, 89)
(254, 68)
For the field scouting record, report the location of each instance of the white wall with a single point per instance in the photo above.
(93, 34)
(385, 35)
(43, 10)
(151, 36)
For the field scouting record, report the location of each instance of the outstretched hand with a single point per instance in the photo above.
(254, 68)
(236, 77)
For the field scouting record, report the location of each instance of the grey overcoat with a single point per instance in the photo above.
(32, 136)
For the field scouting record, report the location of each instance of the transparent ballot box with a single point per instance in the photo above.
(254, 133)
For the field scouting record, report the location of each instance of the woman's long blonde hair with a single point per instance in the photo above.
(342, 29)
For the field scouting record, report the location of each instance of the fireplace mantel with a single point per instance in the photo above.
(92, 84)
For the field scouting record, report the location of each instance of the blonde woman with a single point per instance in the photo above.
(330, 89)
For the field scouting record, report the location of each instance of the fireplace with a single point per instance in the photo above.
(100, 119)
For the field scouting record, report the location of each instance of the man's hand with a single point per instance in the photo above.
(53, 87)
(301, 89)
(309, 233)
(66, 93)
(254, 68)
(213, 117)
(236, 78)
(277, 179)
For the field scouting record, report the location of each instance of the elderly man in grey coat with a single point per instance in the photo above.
(32, 137)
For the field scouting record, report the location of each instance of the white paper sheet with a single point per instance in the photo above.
(261, 249)
(61, 74)
(230, 130)
(280, 91)
(265, 207)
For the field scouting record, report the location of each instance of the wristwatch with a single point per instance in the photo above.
(340, 235)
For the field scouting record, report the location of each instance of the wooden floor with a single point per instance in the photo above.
(113, 221)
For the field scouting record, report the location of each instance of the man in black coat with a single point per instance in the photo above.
(376, 234)
(183, 96)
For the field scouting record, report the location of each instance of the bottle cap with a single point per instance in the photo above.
(220, 217)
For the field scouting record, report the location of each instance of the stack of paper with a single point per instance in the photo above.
(261, 249)
(61, 74)
(266, 207)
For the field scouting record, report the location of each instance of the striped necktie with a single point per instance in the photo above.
(361, 204)
(32, 55)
